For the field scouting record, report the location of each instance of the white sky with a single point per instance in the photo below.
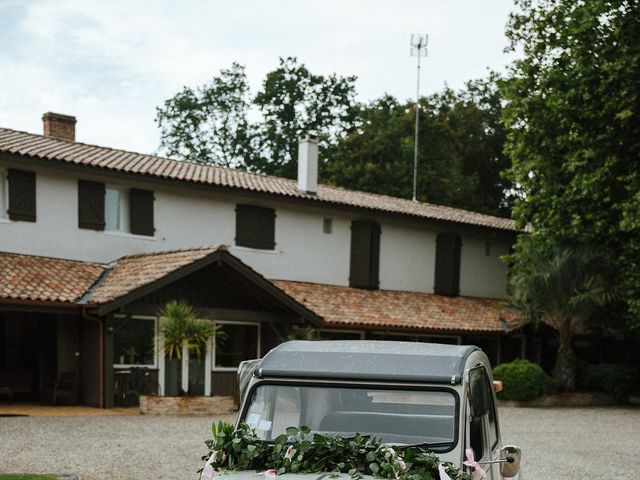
(111, 62)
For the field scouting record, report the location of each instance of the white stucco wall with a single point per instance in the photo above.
(190, 218)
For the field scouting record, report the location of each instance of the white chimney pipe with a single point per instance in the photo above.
(308, 164)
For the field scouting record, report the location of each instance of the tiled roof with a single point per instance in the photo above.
(38, 146)
(134, 271)
(382, 309)
(44, 279)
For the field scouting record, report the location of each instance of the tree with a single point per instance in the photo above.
(573, 101)
(562, 287)
(461, 142)
(293, 101)
(211, 124)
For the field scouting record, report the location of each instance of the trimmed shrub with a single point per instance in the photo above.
(617, 380)
(522, 380)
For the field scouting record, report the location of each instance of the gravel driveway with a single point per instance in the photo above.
(557, 444)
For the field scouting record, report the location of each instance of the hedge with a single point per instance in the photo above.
(522, 380)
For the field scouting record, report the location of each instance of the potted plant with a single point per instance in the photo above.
(182, 331)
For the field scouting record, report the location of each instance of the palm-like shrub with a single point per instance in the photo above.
(182, 328)
(563, 287)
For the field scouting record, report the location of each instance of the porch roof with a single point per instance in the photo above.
(28, 278)
(385, 309)
(35, 280)
(45, 279)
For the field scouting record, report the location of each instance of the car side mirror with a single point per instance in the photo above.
(510, 465)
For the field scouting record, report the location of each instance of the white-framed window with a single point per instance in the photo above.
(237, 341)
(134, 342)
(116, 209)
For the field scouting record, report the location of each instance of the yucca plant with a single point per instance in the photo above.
(182, 328)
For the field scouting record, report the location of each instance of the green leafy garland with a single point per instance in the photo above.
(293, 452)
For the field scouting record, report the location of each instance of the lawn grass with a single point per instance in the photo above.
(23, 476)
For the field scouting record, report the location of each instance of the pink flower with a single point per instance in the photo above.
(271, 473)
(471, 462)
(289, 453)
(401, 463)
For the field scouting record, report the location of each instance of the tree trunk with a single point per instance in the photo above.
(564, 371)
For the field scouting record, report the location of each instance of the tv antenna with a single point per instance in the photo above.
(419, 43)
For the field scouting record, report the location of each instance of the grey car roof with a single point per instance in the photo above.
(367, 360)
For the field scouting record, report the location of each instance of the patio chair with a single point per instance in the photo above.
(63, 387)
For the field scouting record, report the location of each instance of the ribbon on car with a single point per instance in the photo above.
(471, 463)
(271, 473)
(208, 472)
(443, 473)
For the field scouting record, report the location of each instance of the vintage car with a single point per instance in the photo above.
(437, 396)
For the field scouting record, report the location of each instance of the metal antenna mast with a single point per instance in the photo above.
(418, 49)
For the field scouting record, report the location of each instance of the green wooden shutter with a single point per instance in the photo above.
(91, 205)
(364, 271)
(255, 227)
(141, 212)
(447, 276)
(22, 195)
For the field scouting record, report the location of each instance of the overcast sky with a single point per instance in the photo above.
(110, 63)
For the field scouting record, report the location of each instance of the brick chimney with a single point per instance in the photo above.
(59, 126)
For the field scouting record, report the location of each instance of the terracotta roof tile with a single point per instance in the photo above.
(44, 279)
(382, 309)
(38, 146)
(134, 271)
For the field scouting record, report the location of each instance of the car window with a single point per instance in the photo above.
(396, 416)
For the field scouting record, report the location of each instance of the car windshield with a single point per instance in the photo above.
(396, 416)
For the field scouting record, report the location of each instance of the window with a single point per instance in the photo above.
(21, 195)
(133, 342)
(365, 254)
(235, 343)
(447, 274)
(396, 416)
(116, 213)
(115, 209)
(255, 227)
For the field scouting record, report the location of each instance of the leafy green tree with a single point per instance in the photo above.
(210, 124)
(573, 101)
(562, 287)
(460, 157)
(293, 101)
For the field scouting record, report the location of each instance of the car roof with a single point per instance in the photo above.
(367, 360)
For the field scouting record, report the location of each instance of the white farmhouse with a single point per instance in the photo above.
(93, 241)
